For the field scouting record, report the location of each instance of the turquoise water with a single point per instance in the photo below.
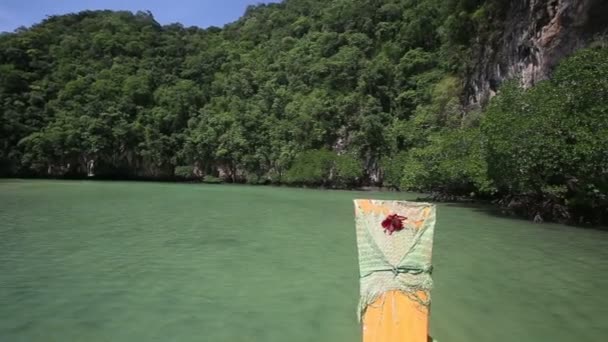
(121, 261)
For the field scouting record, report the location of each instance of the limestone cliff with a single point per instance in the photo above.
(535, 36)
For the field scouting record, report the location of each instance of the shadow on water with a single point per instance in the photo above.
(498, 212)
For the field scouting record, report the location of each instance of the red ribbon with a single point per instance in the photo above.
(393, 223)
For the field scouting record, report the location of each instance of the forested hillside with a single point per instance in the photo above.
(308, 92)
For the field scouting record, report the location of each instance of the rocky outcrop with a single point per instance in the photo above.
(536, 35)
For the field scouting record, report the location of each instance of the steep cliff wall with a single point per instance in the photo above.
(536, 35)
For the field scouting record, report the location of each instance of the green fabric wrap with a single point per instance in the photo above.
(401, 261)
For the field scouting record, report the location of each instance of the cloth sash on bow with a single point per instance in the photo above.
(399, 261)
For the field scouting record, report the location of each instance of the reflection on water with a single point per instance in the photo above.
(100, 261)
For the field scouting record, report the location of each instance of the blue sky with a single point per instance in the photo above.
(203, 13)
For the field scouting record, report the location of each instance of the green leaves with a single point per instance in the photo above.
(308, 92)
(348, 171)
(453, 162)
(550, 141)
(323, 167)
(311, 167)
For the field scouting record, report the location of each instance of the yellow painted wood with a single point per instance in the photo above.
(395, 317)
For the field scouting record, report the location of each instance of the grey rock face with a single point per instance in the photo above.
(537, 34)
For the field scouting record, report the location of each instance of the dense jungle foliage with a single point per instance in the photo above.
(339, 93)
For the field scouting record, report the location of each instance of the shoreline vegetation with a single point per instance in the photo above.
(311, 93)
(489, 206)
(492, 206)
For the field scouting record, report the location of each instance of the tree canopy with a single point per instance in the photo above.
(334, 93)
